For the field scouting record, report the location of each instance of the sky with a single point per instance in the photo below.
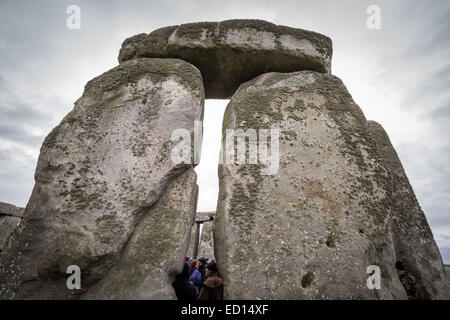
(398, 74)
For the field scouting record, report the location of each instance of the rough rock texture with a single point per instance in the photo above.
(205, 216)
(7, 226)
(99, 179)
(413, 239)
(205, 246)
(231, 52)
(190, 250)
(10, 217)
(312, 229)
(7, 209)
(155, 253)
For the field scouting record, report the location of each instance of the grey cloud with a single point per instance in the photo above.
(435, 33)
(439, 82)
(23, 113)
(17, 117)
(16, 176)
(440, 113)
(445, 253)
(431, 87)
(446, 237)
(10, 132)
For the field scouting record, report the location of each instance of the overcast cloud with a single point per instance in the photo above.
(399, 75)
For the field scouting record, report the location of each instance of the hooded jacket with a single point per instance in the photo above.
(212, 288)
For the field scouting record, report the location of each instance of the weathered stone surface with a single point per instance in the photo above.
(201, 217)
(312, 229)
(231, 52)
(7, 226)
(155, 253)
(413, 239)
(190, 250)
(204, 216)
(10, 217)
(7, 209)
(205, 245)
(100, 171)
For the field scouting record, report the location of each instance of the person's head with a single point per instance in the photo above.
(211, 268)
(194, 264)
(400, 268)
(202, 261)
(208, 261)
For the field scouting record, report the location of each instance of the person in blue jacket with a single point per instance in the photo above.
(196, 276)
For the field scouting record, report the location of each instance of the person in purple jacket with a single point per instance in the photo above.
(196, 276)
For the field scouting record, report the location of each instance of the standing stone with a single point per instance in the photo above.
(7, 209)
(10, 217)
(206, 246)
(311, 230)
(413, 239)
(205, 240)
(100, 176)
(190, 251)
(231, 52)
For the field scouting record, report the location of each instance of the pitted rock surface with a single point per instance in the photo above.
(310, 230)
(231, 52)
(99, 173)
(413, 239)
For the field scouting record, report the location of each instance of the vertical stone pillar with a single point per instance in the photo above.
(100, 179)
(196, 239)
(306, 224)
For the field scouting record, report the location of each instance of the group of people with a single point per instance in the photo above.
(199, 280)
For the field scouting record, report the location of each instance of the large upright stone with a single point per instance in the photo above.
(311, 230)
(206, 244)
(10, 217)
(231, 52)
(204, 241)
(413, 239)
(101, 181)
(11, 210)
(190, 252)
